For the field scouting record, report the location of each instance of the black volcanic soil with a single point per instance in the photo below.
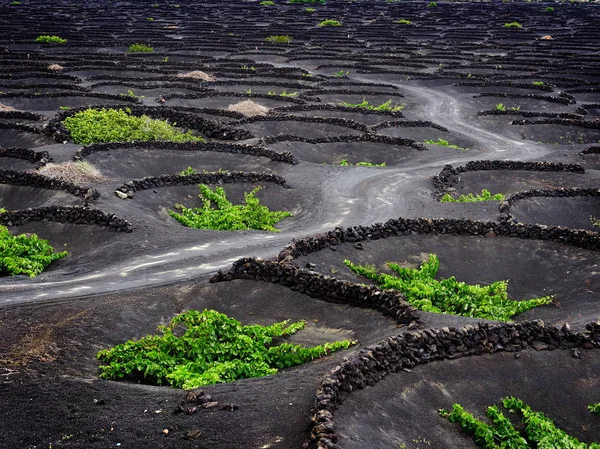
(453, 62)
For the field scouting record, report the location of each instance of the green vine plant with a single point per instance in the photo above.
(486, 195)
(501, 107)
(448, 296)
(47, 39)
(330, 23)
(213, 348)
(594, 408)
(140, 48)
(218, 213)
(25, 253)
(539, 431)
(444, 143)
(279, 39)
(282, 94)
(387, 106)
(345, 163)
(595, 221)
(513, 25)
(118, 125)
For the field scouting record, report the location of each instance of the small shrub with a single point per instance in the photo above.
(79, 172)
(595, 221)
(130, 94)
(214, 348)
(449, 296)
(444, 143)
(432, 5)
(140, 48)
(25, 253)
(282, 94)
(249, 108)
(14, 3)
(330, 23)
(197, 74)
(46, 39)
(404, 22)
(310, 10)
(549, 9)
(470, 198)
(536, 431)
(387, 106)
(118, 125)
(345, 163)
(281, 39)
(538, 83)
(513, 25)
(218, 213)
(594, 408)
(501, 107)
(267, 3)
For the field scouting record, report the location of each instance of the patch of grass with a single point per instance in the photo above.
(118, 125)
(330, 23)
(536, 431)
(218, 213)
(47, 39)
(387, 106)
(444, 143)
(213, 348)
(25, 253)
(345, 163)
(449, 296)
(470, 198)
(140, 48)
(404, 22)
(513, 25)
(279, 39)
(79, 172)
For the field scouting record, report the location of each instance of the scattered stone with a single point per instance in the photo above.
(358, 246)
(191, 410)
(99, 401)
(575, 353)
(210, 404)
(539, 346)
(121, 195)
(312, 266)
(193, 434)
(229, 407)
(165, 432)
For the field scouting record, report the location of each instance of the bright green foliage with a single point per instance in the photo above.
(539, 431)
(267, 3)
(46, 39)
(214, 348)
(595, 221)
(549, 9)
(188, 172)
(14, 3)
(404, 22)
(310, 10)
(432, 5)
(513, 25)
(470, 198)
(131, 94)
(279, 39)
(387, 106)
(538, 83)
(118, 125)
(25, 253)
(448, 295)
(345, 163)
(150, 18)
(444, 143)
(140, 48)
(594, 408)
(218, 213)
(330, 23)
